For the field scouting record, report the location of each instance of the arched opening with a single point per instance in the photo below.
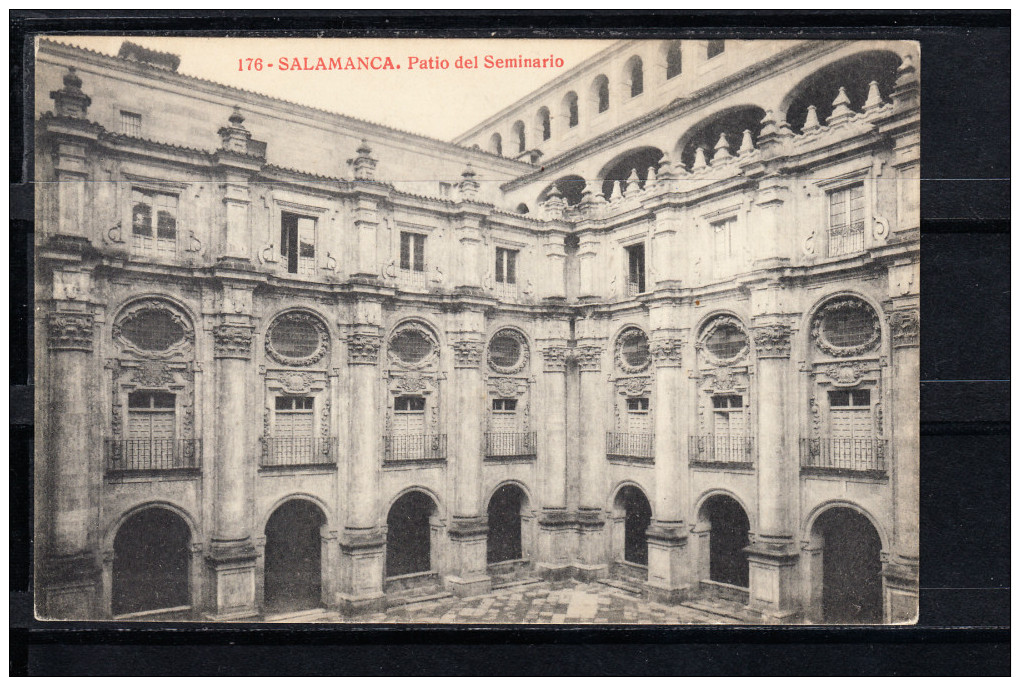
(851, 567)
(854, 73)
(600, 94)
(639, 160)
(496, 144)
(151, 562)
(674, 60)
(293, 564)
(522, 208)
(636, 76)
(409, 535)
(518, 130)
(632, 505)
(728, 529)
(505, 532)
(707, 133)
(544, 123)
(570, 187)
(570, 111)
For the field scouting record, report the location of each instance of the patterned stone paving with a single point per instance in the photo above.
(564, 602)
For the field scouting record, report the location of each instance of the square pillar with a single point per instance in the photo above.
(231, 570)
(669, 566)
(468, 538)
(362, 560)
(773, 580)
(557, 544)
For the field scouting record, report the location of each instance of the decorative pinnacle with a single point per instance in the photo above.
(811, 122)
(746, 143)
(722, 149)
(699, 159)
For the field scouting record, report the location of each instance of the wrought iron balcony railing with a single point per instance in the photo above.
(711, 450)
(630, 445)
(153, 454)
(295, 451)
(511, 445)
(844, 454)
(413, 448)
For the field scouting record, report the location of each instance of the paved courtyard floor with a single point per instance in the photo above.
(564, 602)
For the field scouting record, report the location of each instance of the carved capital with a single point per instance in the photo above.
(363, 348)
(772, 341)
(905, 328)
(589, 357)
(667, 352)
(554, 357)
(233, 341)
(467, 353)
(70, 331)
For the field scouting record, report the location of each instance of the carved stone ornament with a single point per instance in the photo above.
(410, 331)
(467, 353)
(554, 357)
(722, 323)
(626, 336)
(363, 348)
(296, 383)
(413, 383)
(523, 354)
(905, 326)
(153, 374)
(505, 387)
(846, 373)
(723, 381)
(849, 304)
(69, 331)
(589, 357)
(233, 341)
(772, 340)
(298, 320)
(177, 334)
(634, 386)
(667, 352)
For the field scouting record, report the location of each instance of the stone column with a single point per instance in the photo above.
(553, 278)
(554, 552)
(232, 555)
(773, 556)
(591, 519)
(901, 571)
(587, 256)
(68, 574)
(668, 568)
(363, 541)
(469, 528)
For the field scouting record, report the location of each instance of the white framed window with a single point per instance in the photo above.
(297, 243)
(412, 251)
(846, 220)
(151, 416)
(722, 238)
(504, 415)
(295, 417)
(850, 414)
(638, 421)
(153, 221)
(408, 415)
(728, 417)
(506, 265)
(130, 123)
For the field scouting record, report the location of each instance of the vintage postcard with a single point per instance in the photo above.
(477, 331)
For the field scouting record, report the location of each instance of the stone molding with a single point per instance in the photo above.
(589, 357)
(905, 327)
(70, 331)
(851, 303)
(312, 321)
(554, 357)
(467, 353)
(667, 352)
(772, 341)
(363, 348)
(233, 341)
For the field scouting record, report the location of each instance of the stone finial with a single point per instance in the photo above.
(235, 137)
(364, 163)
(468, 185)
(699, 159)
(840, 108)
(874, 97)
(70, 101)
(906, 90)
(666, 171)
(768, 124)
(633, 184)
(722, 149)
(617, 193)
(650, 178)
(746, 143)
(811, 122)
(236, 119)
(554, 204)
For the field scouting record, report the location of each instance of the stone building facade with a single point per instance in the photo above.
(656, 322)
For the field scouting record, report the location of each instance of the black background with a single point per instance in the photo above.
(965, 499)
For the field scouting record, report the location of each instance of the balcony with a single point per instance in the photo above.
(406, 449)
(846, 456)
(148, 455)
(721, 451)
(511, 445)
(412, 279)
(506, 291)
(630, 446)
(282, 452)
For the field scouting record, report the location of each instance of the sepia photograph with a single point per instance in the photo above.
(476, 331)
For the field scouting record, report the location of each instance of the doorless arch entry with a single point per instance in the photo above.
(151, 560)
(293, 563)
(409, 535)
(505, 541)
(849, 578)
(723, 522)
(632, 512)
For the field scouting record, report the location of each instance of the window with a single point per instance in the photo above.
(602, 94)
(297, 243)
(636, 269)
(637, 416)
(715, 48)
(726, 341)
(722, 238)
(505, 349)
(409, 415)
(445, 188)
(519, 133)
(846, 220)
(634, 349)
(674, 63)
(506, 265)
(410, 345)
(151, 415)
(637, 78)
(850, 413)
(504, 417)
(546, 123)
(294, 335)
(728, 416)
(638, 404)
(130, 123)
(412, 251)
(504, 405)
(153, 221)
(572, 112)
(496, 144)
(152, 329)
(295, 417)
(849, 323)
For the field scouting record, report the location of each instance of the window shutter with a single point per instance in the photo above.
(419, 252)
(511, 267)
(405, 251)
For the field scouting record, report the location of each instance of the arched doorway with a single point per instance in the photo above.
(851, 567)
(632, 508)
(727, 527)
(151, 559)
(505, 532)
(293, 564)
(409, 535)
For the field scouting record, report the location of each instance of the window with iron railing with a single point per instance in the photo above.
(153, 222)
(130, 123)
(412, 259)
(846, 220)
(635, 269)
(852, 444)
(625, 445)
(151, 441)
(294, 441)
(297, 243)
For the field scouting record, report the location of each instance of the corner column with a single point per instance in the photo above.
(591, 519)
(555, 526)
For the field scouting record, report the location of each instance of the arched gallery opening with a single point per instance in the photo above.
(505, 531)
(636, 512)
(409, 535)
(851, 567)
(728, 529)
(151, 561)
(293, 564)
